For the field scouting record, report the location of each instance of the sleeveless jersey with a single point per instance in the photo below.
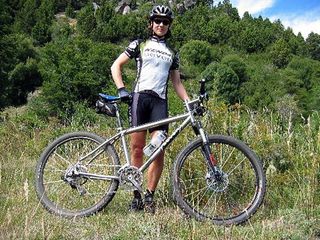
(154, 61)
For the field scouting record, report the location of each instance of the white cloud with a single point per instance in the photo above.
(252, 6)
(303, 23)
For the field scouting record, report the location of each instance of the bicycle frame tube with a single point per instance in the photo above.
(165, 143)
(123, 133)
(147, 126)
(187, 117)
(156, 124)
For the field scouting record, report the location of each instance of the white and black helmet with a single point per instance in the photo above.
(161, 11)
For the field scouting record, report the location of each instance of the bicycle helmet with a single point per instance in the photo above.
(161, 11)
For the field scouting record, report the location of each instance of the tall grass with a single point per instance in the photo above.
(289, 150)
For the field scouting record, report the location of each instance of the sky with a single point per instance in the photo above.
(301, 16)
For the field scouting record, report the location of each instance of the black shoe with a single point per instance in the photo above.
(136, 205)
(149, 204)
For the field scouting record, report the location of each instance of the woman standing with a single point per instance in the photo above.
(156, 63)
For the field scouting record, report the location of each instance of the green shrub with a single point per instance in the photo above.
(70, 11)
(196, 55)
(222, 82)
(61, 30)
(44, 18)
(76, 71)
(237, 64)
(227, 84)
(280, 53)
(86, 21)
(18, 69)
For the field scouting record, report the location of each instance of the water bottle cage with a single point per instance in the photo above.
(154, 143)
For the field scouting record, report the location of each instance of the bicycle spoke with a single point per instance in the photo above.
(203, 195)
(224, 197)
(51, 182)
(54, 169)
(225, 160)
(92, 158)
(193, 179)
(54, 189)
(217, 209)
(198, 191)
(231, 171)
(232, 206)
(216, 205)
(62, 158)
(97, 184)
(206, 205)
(61, 200)
(71, 193)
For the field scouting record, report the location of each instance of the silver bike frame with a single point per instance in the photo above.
(188, 118)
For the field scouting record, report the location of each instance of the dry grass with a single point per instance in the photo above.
(291, 209)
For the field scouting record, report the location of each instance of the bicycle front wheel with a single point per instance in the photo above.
(60, 187)
(230, 199)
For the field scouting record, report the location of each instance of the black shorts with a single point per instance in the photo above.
(146, 108)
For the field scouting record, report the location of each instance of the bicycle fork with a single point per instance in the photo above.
(211, 160)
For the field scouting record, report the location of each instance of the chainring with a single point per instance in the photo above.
(129, 175)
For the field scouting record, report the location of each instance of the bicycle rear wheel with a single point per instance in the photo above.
(230, 200)
(62, 190)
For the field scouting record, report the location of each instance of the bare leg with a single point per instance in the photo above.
(155, 171)
(138, 141)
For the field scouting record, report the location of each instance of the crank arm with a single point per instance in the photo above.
(136, 185)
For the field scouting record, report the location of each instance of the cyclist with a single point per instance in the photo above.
(156, 63)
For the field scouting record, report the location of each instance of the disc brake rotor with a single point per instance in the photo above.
(218, 182)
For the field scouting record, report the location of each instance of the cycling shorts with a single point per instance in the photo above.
(146, 108)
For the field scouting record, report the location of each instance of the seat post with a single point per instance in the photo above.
(123, 138)
(119, 121)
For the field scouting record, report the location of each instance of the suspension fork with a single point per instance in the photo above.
(206, 151)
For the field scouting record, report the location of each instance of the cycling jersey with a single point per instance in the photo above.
(154, 62)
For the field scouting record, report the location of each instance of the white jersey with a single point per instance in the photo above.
(154, 62)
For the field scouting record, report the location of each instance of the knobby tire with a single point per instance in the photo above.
(84, 196)
(244, 188)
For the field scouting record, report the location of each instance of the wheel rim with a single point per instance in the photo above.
(69, 192)
(229, 200)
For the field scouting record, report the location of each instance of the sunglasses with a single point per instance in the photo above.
(158, 21)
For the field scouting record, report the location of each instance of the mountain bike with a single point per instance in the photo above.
(215, 177)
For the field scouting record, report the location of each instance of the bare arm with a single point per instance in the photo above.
(178, 86)
(116, 69)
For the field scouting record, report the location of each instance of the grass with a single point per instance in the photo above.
(291, 209)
